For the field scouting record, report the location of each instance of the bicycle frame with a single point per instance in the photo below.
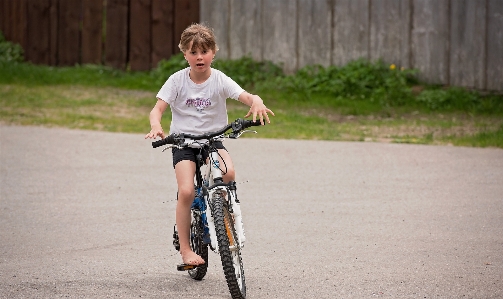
(225, 227)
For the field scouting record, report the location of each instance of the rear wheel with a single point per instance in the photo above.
(230, 252)
(198, 246)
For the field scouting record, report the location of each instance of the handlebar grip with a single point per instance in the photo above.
(168, 140)
(251, 123)
(159, 142)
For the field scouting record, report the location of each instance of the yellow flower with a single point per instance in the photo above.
(402, 68)
(392, 67)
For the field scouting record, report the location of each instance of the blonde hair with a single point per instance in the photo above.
(200, 36)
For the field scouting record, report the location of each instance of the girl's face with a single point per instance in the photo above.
(199, 60)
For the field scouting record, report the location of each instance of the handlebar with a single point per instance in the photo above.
(237, 126)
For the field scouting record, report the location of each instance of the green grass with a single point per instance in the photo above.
(85, 75)
(99, 98)
(485, 138)
(74, 106)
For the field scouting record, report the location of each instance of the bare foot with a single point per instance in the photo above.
(191, 258)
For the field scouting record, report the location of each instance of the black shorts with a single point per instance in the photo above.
(189, 153)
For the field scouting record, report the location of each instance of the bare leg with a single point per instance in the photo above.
(185, 171)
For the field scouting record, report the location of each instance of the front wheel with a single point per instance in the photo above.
(230, 252)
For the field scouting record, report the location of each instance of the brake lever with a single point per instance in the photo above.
(168, 147)
(181, 146)
(234, 135)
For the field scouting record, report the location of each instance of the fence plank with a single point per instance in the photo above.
(351, 31)
(19, 23)
(430, 40)
(10, 12)
(53, 32)
(246, 35)
(69, 32)
(280, 25)
(116, 34)
(92, 23)
(451, 42)
(186, 13)
(6, 18)
(37, 48)
(162, 30)
(139, 38)
(315, 32)
(216, 15)
(405, 32)
(468, 28)
(389, 34)
(494, 37)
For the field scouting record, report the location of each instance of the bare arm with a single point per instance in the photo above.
(155, 120)
(257, 107)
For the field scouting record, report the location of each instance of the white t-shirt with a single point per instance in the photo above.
(198, 108)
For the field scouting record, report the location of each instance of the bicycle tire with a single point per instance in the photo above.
(198, 246)
(230, 252)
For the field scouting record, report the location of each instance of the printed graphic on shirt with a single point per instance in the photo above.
(199, 103)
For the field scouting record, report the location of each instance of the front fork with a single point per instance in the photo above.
(235, 210)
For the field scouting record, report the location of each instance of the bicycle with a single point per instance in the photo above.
(220, 227)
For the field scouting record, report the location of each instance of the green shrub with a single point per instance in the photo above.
(358, 80)
(10, 52)
(168, 67)
(436, 99)
(360, 87)
(248, 72)
(457, 98)
(245, 71)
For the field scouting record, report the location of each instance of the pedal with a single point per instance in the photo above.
(185, 267)
(176, 241)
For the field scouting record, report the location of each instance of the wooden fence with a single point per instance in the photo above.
(117, 33)
(451, 42)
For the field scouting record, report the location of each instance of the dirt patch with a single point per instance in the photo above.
(409, 125)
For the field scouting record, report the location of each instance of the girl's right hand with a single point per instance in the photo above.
(156, 131)
(155, 120)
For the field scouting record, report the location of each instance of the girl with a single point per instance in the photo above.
(197, 98)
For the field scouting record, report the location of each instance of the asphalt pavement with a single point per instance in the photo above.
(88, 214)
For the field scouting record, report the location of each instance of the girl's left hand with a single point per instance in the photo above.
(258, 108)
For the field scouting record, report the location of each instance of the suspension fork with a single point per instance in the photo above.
(215, 170)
